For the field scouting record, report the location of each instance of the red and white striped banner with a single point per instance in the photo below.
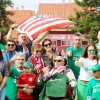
(41, 23)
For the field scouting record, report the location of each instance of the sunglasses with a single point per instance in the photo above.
(38, 51)
(10, 45)
(49, 44)
(91, 50)
(57, 60)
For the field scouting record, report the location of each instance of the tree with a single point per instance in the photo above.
(87, 20)
(5, 22)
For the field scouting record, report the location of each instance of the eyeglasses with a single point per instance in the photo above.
(92, 50)
(11, 45)
(57, 60)
(38, 51)
(49, 44)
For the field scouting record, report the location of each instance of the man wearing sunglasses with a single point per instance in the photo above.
(60, 68)
(11, 50)
(74, 52)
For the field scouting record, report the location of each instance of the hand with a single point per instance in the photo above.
(26, 86)
(14, 58)
(14, 25)
(69, 53)
(28, 91)
(22, 42)
(37, 66)
(45, 70)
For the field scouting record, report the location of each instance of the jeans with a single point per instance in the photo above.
(2, 94)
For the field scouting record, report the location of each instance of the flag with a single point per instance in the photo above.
(35, 25)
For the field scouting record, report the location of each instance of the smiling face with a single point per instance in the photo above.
(47, 45)
(59, 61)
(20, 61)
(37, 52)
(23, 37)
(91, 51)
(10, 46)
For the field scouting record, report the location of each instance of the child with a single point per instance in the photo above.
(26, 80)
(93, 88)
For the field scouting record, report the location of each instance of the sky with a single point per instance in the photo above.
(33, 4)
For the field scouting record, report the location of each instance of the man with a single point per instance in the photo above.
(58, 68)
(10, 50)
(24, 39)
(14, 72)
(74, 52)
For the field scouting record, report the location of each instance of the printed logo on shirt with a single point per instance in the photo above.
(96, 88)
(30, 79)
(23, 78)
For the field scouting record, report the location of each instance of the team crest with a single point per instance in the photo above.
(30, 79)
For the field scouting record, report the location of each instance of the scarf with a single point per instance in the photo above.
(36, 61)
(53, 71)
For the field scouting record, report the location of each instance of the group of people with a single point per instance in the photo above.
(28, 64)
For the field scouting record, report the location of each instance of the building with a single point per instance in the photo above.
(19, 16)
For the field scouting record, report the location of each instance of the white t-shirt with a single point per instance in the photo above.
(85, 69)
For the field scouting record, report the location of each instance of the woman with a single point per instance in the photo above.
(87, 60)
(40, 63)
(3, 76)
(48, 49)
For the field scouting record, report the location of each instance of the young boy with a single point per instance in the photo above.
(93, 88)
(26, 80)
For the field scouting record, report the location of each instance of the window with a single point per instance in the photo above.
(54, 43)
(67, 43)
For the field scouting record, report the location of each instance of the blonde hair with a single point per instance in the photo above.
(36, 46)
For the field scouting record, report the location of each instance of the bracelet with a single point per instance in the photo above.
(12, 28)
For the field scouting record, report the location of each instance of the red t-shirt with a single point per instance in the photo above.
(29, 79)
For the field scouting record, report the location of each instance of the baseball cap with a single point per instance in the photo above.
(95, 67)
(27, 64)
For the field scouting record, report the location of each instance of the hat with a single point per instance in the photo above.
(96, 67)
(28, 64)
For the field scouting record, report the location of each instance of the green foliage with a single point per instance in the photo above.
(88, 19)
(5, 22)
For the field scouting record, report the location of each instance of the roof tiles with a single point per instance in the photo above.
(19, 16)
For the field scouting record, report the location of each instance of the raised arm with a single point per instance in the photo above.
(11, 30)
(11, 61)
(40, 37)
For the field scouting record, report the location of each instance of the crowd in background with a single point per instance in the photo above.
(28, 69)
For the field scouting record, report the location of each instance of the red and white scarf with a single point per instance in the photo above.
(53, 71)
(36, 61)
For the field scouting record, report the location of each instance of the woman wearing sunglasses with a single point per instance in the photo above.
(48, 49)
(87, 60)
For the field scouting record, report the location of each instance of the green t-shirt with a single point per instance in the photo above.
(11, 89)
(93, 89)
(76, 53)
(2, 47)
